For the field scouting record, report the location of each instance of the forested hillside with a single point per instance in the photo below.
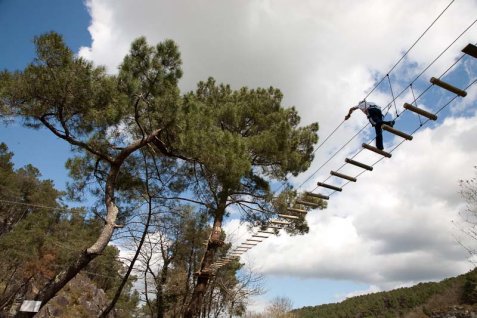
(453, 297)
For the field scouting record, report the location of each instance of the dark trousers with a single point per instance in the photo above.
(375, 117)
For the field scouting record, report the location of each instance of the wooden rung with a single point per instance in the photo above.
(448, 87)
(420, 111)
(257, 235)
(252, 240)
(471, 50)
(286, 216)
(396, 132)
(266, 232)
(329, 186)
(249, 244)
(340, 175)
(376, 150)
(317, 195)
(279, 222)
(296, 210)
(310, 204)
(358, 164)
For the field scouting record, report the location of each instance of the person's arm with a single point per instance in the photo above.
(351, 110)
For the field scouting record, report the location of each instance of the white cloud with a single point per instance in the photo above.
(394, 225)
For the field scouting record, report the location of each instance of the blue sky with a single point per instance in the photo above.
(20, 22)
(393, 227)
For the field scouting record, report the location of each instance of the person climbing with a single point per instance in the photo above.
(375, 117)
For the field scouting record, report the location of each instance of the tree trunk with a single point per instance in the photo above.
(204, 273)
(161, 302)
(86, 256)
(131, 266)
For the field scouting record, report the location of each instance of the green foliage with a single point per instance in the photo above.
(95, 112)
(233, 131)
(469, 295)
(40, 237)
(244, 140)
(24, 186)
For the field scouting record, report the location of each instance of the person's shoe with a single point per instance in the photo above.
(391, 123)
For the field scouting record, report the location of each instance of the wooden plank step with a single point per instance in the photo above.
(310, 204)
(267, 232)
(279, 222)
(420, 111)
(257, 235)
(396, 132)
(329, 186)
(249, 244)
(376, 150)
(358, 164)
(287, 216)
(471, 50)
(297, 210)
(340, 175)
(448, 87)
(253, 240)
(317, 195)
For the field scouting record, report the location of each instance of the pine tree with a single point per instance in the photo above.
(87, 108)
(243, 141)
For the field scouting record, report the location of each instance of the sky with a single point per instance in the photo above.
(397, 225)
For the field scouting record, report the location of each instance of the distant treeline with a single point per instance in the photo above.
(423, 298)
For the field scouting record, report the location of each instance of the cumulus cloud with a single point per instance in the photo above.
(394, 225)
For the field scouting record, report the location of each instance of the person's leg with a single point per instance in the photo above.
(376, 118)
(379, 137)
